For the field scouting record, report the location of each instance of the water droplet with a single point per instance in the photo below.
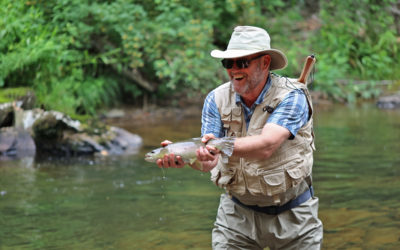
(163, 173)
(120, 184)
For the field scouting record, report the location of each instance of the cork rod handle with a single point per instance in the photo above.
(308, 65)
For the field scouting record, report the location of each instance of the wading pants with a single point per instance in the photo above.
(238, 227)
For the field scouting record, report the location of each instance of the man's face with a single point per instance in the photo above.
(245, 80)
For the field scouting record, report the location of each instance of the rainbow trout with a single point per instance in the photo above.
(187, 149)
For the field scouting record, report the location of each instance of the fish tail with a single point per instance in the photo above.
(227, 145)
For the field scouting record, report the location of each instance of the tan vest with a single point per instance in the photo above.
(283, 176)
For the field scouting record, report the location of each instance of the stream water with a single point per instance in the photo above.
(127, 203)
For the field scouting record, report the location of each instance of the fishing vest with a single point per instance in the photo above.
(281, 177)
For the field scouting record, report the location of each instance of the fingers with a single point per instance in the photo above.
(207, 157)
(170, 161)
(179, 162)
(212, 150)
(159, 163)
(207, 137)
(206, 153)
(165, 143)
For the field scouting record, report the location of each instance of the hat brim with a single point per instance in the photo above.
(278, 59)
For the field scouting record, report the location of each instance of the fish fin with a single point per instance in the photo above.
(191, 161)
(227, 147)
(197, 165)
(224, 158)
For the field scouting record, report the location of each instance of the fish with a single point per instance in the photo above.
(187, 149)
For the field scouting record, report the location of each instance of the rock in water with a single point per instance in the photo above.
(389, 102)
(16, 143)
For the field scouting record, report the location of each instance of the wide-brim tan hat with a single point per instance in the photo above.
(248, 40)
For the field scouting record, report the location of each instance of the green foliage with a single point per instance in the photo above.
(358, 42)
(11, 94)
(81, 55)
(52, 57)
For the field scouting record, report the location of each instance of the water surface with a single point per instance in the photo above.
(127, 203)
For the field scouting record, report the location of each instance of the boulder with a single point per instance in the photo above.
(57, 134)
(26, 132)
(124, 141)
(6, 114)
(115, 141)
(45, 120)
(389, 102)
(16, 143)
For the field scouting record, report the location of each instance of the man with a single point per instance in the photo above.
(269, 200)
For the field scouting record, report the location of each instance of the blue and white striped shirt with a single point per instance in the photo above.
(291, 113)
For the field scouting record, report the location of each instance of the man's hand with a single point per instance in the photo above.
(207, 156)
(170, 161)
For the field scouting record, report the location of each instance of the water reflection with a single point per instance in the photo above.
(127, 203)
(357, 177)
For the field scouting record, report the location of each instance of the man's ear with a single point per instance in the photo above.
(267, 61)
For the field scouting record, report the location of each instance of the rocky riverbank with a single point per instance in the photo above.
(25, 133)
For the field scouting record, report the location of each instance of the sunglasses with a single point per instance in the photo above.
(240, 63)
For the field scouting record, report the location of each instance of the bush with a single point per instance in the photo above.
(82, 55)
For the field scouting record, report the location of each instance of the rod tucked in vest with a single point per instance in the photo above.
(283, 176)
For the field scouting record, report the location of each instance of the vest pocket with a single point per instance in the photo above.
(227, 176)
(296, 174)
(232, 120)
(222, 176)
(275, 183)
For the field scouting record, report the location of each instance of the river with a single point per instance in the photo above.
(127, 203)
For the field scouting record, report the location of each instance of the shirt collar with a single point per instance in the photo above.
(260, 97)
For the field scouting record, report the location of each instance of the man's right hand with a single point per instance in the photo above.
(170, 161)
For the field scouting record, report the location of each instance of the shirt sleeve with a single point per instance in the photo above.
(211, 119)
(291, 113)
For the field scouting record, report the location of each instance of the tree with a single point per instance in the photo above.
(79, 55)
